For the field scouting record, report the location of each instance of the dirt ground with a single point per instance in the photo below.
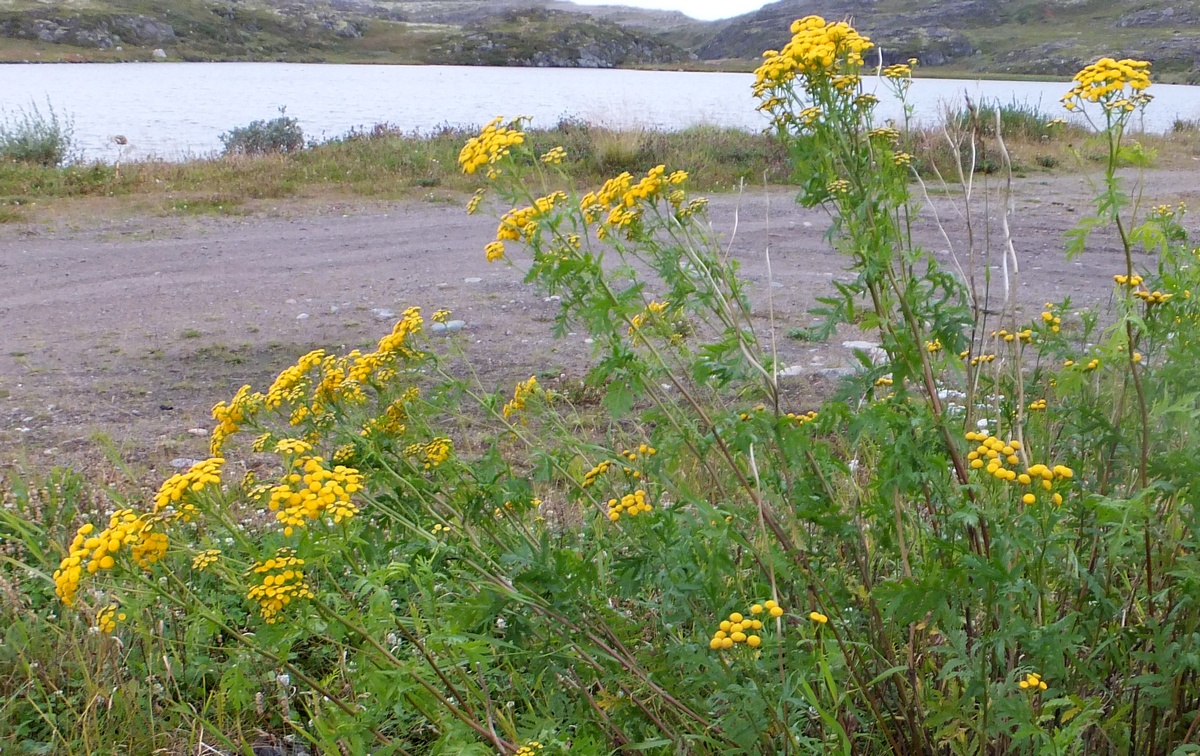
(122, 329)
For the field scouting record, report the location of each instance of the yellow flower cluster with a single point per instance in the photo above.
(757, 408)
(887, 133)
(1092, 365)
(1037, 404)
(171, 494)
(392, 421)
(1152, 297)
(693, 207)
(523, 391)
(653, 310)
(230, 416)
(590, 476)
(439, 530)
(532, 749)
(740, 629)
(807, 117)
(620, 202)
(474, 202)
(289, 384)
(1032, 681)
(431, 454)
(644, 450)
(933, 346)
(282, 582)
(1051, 320)
(205, 559)
(93, 553)
(1023, 336)
(490, 146)
(902, 159)
(107, 619)
(312, 490)
(838, 186)
(819, 618)
(292, 447)
(1167, 212)
(630, 504)
(998, 453)
(1118, 85)
(734, 630)
(396, 343)
(521, 224)
(554, 156)
(816, 49)
(898, 71)
(982, 359)
(808, 417)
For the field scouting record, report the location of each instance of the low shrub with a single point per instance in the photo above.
(278, 135)
(31, 137)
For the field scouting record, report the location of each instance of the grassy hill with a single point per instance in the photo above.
(951, 37)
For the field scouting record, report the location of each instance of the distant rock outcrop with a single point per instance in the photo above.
(552, 39)
(101, 32)
(917, 32)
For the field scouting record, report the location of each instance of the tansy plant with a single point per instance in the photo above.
(434, 565)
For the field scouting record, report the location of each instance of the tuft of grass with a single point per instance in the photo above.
(1185, 126)
(1018, 119)
(617, 150)
(215, 204)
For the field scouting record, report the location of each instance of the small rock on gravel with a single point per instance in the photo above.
(452, 326)
(183, 463)
(198, 431)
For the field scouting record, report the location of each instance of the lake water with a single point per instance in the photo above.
(176, 110)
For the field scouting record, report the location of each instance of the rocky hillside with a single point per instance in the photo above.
(954, 37)
(1046, 37)
(479, 32)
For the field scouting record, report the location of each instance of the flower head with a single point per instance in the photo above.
(281, 582)
(491, 145)
(1118, 86)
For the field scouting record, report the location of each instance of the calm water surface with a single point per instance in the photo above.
(176, 110)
